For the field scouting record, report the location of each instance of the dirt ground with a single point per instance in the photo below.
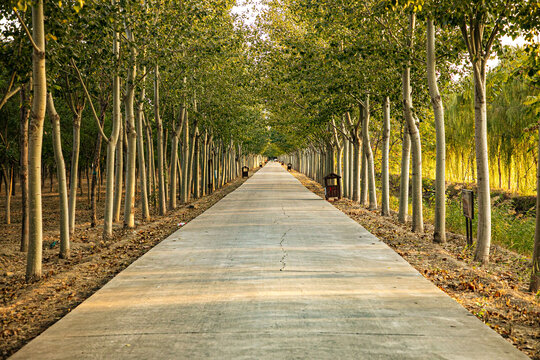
(496, 293)
(26, 310)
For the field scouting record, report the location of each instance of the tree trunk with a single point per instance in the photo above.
(385, 171)
(363, 176)
(370, 168)
(204, 185)
(184, 196)
(35, 141)
(62, 182)
(218, 165)
(509, 176)
(346, 169)
(535, 275)
(131, 133)
(119, 172)
(74, 169)
(339, 166)
(439, 234)
(404, 178)
(145, 210)
(356, 169)
(95, 169)
(483, 241)
(99, 182)
(8, 179)
(87, 173)
(499, 168)
(351, 172)
(191, 155)
(224, 166)
(173, 178)
(160, 146)
(112, 151)
(23, 164)
(151, 164)
(197, 166)
(416, 146)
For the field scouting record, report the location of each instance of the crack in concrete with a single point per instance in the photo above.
(284, 213)
(285, 254)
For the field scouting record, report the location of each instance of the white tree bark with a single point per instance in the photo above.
(160, 146)
(74, 168)
(173, 178)
(534, 286)
(439, 234)
(385, 173)
(370, 166)
(483, 241)
(35, 139)
(356, 169)
(196, 164)
(351, 172)
(404, 179)
(131, 133)
(145, 210)
(416, 146)
(23, 163)
(363, 176)
(184, 196)
(61, 175)
(119, 172)
(111, 148)
(204, 185)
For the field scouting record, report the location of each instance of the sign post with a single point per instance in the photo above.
(467, 199)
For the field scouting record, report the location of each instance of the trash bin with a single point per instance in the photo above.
(332, 186)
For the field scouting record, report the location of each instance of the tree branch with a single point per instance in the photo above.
(9, 93)
(96, 117)
(336, 129)
(463, 28)
(34, 45)
(495, 30)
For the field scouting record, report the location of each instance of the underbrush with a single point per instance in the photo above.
(508, 229)
(512, 217)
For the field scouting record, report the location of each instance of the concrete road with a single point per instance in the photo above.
(270, 272)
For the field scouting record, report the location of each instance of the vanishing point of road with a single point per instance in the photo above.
(271, 271)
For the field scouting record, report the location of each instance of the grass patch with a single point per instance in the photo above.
(514, 232)
(508, 229)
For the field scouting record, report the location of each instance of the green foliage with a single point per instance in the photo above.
(511, 145)
(508, 230)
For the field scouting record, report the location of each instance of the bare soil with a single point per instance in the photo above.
(26, 309)
(496, 293)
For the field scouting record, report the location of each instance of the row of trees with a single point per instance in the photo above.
(335, 72)
(179, 95)
(164, 87)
